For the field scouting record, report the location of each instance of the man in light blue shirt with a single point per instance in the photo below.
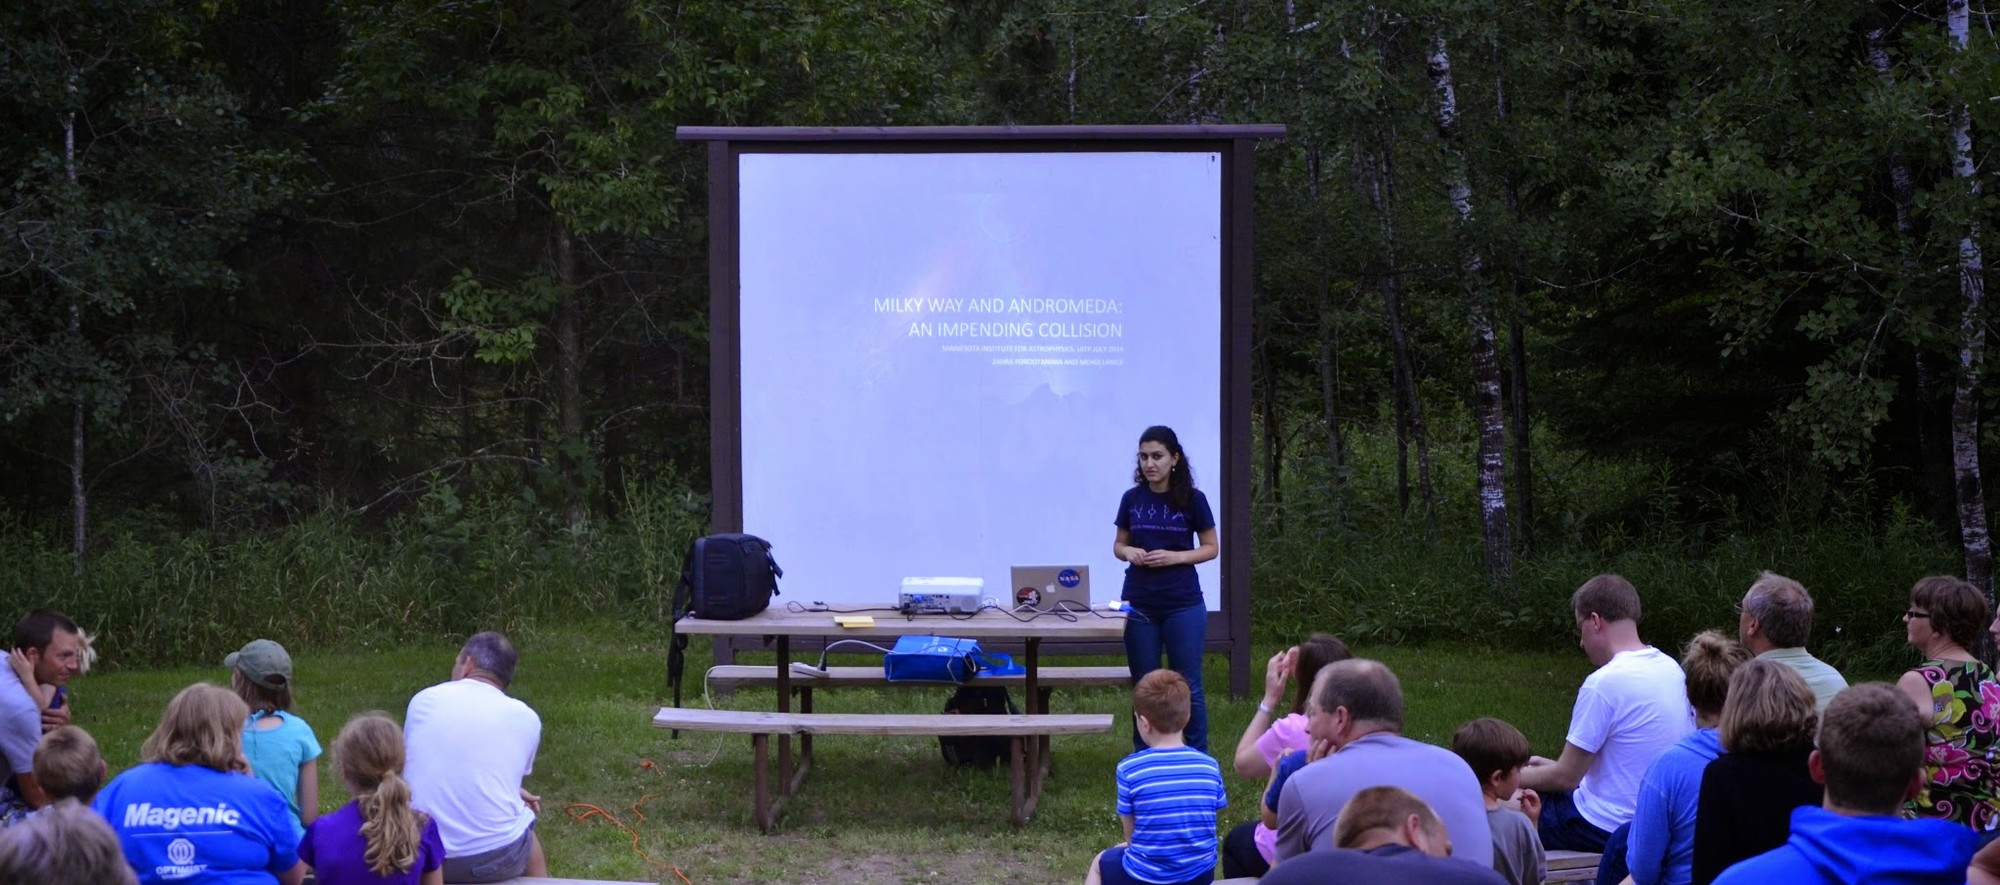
(1776, 617)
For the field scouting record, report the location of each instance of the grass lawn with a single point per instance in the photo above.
(873, 810)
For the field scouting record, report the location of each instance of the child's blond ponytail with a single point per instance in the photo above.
(370, 752)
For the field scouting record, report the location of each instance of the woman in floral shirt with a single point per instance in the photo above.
(1959, 699)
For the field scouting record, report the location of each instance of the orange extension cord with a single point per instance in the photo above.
(582, 811)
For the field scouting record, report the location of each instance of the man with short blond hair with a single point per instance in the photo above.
(1630, 709)
(1775, 620)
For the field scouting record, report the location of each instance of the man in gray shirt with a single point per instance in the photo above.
(1356, 709)
(1776, 618)
(52, 646)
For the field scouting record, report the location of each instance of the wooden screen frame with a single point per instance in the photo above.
(1229, 628)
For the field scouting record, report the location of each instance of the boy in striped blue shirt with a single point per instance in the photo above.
(1168, 795)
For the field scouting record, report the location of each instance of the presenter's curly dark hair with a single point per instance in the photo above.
(1180, 481)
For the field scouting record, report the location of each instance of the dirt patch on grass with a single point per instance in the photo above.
(994, 867)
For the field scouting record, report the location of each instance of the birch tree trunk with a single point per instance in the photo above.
(1971, 493)
(79, 499)
(1486, 404)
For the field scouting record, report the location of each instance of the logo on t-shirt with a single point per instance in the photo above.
(180, 853)
(1158, 517)
(1068, 577)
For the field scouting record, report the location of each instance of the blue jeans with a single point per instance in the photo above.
(1180, 635)
(1565, 829)
(1111, 870)
(1613, 866)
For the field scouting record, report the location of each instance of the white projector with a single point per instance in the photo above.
(942, 596)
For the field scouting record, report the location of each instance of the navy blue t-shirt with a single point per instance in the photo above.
(1153, 524)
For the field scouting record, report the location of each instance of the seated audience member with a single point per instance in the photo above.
(1959, 699)
(1356, 710)
(1774, 620)
(1748, 793)
(1385, 836)
(1629, 711)
(1659, 846)
(47, 650)
(1497, 751)
(68, 765)
(281, 747)
(469, 747)
(1168, 795)
(376, 839)
(65, 843)
(1871, 760)
(1288, 764)
(191, 811)
(1247, 851)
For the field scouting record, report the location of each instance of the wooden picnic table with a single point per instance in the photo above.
(780, 625)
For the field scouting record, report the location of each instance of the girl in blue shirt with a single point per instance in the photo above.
(1165, 528)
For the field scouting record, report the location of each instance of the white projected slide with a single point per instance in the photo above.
(947, 358)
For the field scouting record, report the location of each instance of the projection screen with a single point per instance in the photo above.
(948, 358)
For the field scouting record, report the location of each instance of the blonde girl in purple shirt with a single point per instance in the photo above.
(376, 839)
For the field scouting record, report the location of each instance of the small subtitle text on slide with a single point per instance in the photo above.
(1055, 361)
(1016, 330)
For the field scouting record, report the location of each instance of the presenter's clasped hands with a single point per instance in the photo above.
(1155, 558)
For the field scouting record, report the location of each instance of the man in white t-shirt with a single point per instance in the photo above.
(469, 747)
(1634, 706)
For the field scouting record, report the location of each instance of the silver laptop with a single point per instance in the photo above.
(1050, 587)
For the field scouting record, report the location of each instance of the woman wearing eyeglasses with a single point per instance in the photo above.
(1959, 700)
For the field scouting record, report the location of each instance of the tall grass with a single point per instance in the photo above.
(1337, 557)
(327, 579)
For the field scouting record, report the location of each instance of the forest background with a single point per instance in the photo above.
(361, 320)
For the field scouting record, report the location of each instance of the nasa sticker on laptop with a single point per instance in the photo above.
(1069, 578)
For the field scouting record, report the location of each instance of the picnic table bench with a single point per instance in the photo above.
(1573, 866)
(1026, 780)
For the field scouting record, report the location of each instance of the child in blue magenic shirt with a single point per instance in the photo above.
(189, 812)
(1168, 795)
(281, 747)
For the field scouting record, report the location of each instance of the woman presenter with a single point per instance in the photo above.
(1164, 528)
